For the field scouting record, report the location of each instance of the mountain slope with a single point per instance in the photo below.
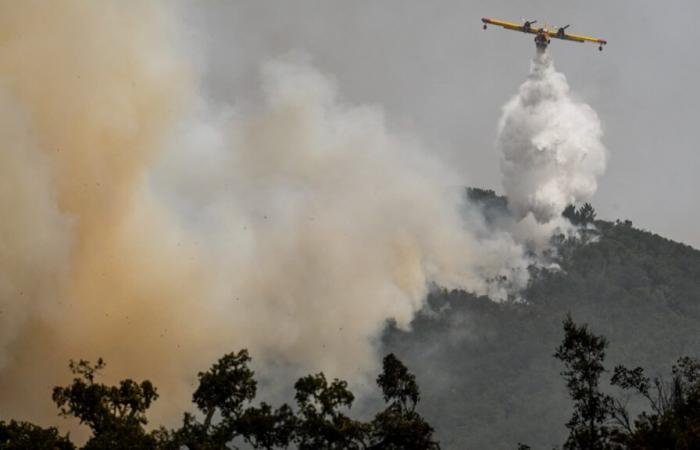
(486, 369)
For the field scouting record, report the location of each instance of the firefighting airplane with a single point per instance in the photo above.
(543, 35)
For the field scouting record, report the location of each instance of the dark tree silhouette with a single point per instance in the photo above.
(602, 422)
(320, 422)
(23, 435)
(228, 388)
(399, 426)
(674, 418)
(586, 214)
(115, 414)
(583, 216)
(570, 213)
(583, 354)
(263, 427)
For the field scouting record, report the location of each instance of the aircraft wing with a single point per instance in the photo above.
(508, 25)
(576, 37)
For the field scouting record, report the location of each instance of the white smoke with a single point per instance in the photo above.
(551, 145)
(321, 224)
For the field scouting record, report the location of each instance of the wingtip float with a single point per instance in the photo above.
(543, 35)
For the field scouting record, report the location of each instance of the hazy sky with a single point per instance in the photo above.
(443, 80)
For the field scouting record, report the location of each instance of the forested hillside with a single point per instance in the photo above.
(486, 369)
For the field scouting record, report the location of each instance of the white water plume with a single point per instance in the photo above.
(552, 154)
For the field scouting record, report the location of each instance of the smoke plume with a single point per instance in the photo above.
(143, 224)
(552, 152)
(155, 228)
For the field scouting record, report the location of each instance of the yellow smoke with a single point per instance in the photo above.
(88, 91)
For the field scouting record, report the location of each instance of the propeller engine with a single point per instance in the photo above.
(528, 23)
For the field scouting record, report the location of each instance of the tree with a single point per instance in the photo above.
(24, 435)
(583, 354)
(263, 427)
(320, 423)
(601, 422)
(225, 387)
(228, 388)
(674, 419)
(583, 216)
(115, 414)
(399, 426)
(586, 214)
(570, 213)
